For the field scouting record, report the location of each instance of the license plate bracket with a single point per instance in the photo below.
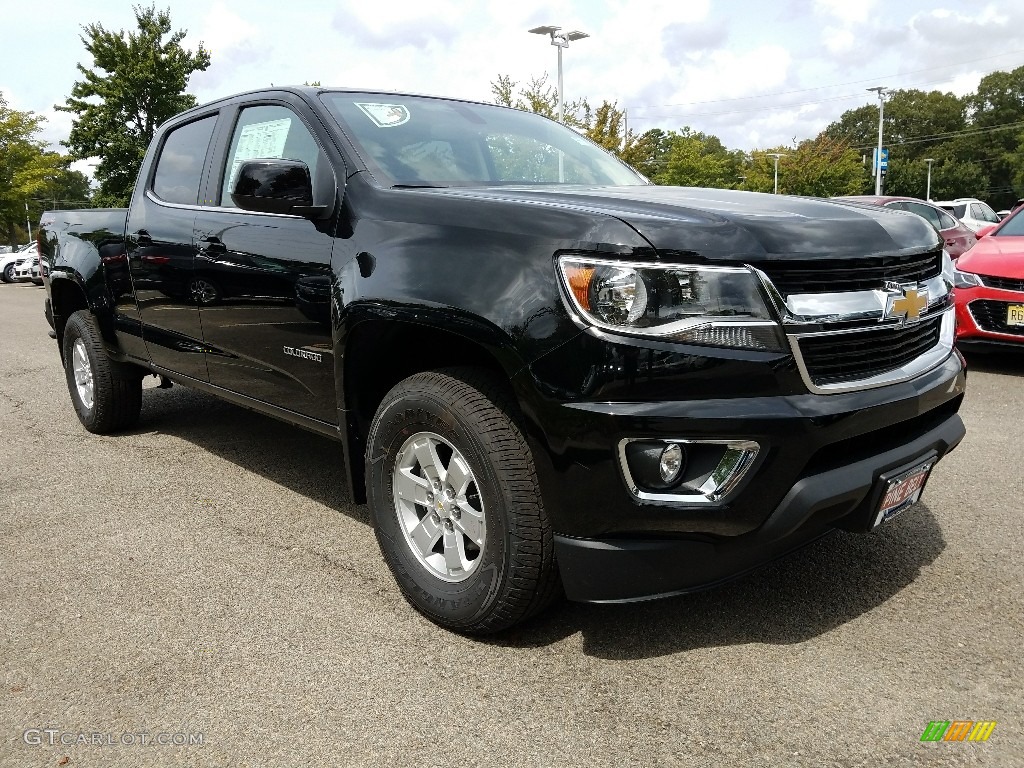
(902, 489)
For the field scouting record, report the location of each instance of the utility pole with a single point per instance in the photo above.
(928, 188)
(881, 90)
(776, 155)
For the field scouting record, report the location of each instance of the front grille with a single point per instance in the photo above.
(1006, 283)
(835, 275)
(844, 357)
(991, 316)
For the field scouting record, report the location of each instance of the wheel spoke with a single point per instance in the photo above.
(430, 462)
(425, 535)
(455, 553)
(471, 523)
(459, 475)
(412, 488)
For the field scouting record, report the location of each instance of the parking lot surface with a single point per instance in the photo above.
(205, 576)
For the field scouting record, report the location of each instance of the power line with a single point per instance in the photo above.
(825, 87)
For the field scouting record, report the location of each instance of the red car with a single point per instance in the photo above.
(989, 292)
(957, 236)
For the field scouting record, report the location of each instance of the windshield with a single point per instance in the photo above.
(1012, 227)
(420, 141)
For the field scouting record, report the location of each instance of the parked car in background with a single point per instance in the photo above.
(1003, 213)
(989, 292)
(10, 261)
(27, 271)
(971, 211)
(956, 235)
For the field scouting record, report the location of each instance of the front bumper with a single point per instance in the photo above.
(623, 570)
(978, 328)
(818, 467)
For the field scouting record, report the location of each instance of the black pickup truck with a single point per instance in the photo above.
(547, 374)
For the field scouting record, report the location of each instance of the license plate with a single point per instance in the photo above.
(902, 492)
(1015, 314)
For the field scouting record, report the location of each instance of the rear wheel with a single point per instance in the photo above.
(107, 395)
(455, 502)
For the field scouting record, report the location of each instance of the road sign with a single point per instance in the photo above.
(885, 159)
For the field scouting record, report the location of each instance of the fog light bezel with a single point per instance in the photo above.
(738, 458)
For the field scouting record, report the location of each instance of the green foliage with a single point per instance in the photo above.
(693, 159)
(137, 81)
(26, 169)
(819, 167)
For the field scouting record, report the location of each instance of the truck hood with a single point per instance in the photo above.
(723, 224)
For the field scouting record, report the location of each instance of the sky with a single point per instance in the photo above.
(755, 73)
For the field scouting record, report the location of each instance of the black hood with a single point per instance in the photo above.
(724, 224)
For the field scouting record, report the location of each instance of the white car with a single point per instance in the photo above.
(973, 212)
(10, 261)
(28, 270)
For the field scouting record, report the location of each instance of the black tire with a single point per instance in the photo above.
(116, 389)
(8, 274)
(516, 576)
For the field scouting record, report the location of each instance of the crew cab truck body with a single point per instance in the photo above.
(544, 370)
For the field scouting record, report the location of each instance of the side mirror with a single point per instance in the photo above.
(984, 231)
(275, 186)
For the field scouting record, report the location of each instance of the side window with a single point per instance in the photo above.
(179, 169)
(268, 131)
(988, 214)
(925, 212)
(896, 206)
(945, 220)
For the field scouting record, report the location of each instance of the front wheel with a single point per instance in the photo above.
(455, 502)
(107, 395)
(8, 274)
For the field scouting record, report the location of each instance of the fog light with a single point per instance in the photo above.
(671, 463)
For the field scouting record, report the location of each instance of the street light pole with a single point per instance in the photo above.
(881, 90)
(928, 188)
(776, 155)
(560, 40)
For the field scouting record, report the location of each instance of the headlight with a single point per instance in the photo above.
(966, 280)
(720, 306)
(948, 268)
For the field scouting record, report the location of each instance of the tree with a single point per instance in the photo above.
(604, 126)
(819, 167)
(138, 80)
(25, 168)
(695, 159)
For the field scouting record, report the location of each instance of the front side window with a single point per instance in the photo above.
(268, 131)
(179, 169)
(418, 141)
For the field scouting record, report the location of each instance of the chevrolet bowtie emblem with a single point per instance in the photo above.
(906, 305)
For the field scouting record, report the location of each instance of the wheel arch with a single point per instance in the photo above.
(380, 353)
(67, 296)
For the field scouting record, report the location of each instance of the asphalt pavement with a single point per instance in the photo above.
(204, 578)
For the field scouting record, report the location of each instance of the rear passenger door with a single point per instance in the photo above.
(161, 253)
(267, 277)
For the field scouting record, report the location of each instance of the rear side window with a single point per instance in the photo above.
(945, 220)
(179, 169)
(925, 212)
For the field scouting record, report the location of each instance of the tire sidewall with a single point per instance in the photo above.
(8, 273)
(453, 604)
(72, 333)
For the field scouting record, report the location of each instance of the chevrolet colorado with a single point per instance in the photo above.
(547, 374)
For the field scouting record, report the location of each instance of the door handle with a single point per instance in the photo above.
(211, 246)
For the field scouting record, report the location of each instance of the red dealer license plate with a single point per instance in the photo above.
(903, 491)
